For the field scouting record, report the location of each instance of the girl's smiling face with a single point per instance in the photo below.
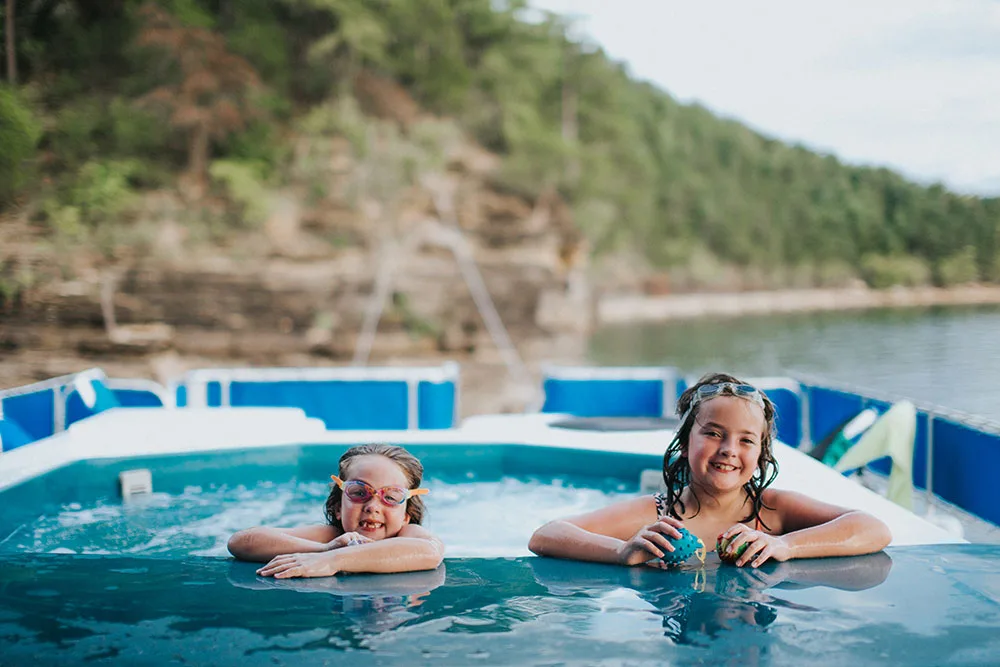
(725, 443)
(373, 518)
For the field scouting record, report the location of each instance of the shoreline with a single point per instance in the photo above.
(634, 308)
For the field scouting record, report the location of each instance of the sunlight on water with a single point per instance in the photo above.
(474, 518)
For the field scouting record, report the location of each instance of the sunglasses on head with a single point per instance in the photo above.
(361, 492)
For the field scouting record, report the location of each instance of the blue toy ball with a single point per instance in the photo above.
(686, 546)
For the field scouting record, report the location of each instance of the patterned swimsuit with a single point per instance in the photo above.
(662, 511)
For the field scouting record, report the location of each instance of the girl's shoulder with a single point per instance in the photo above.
(784, 509)
(781, 498)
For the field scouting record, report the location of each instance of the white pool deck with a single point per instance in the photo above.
(146, 431)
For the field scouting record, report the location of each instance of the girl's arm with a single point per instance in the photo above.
(627, 533)
(262, 543)
(810, 529)
(414, 548)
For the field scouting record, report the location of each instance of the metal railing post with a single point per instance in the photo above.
(929, 475)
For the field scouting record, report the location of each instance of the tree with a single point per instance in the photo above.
(359, 37)
(212, 94)
(19, 133)
(9, 34)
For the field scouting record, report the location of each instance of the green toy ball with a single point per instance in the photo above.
(723, 543)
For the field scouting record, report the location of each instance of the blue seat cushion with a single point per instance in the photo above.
(12, 435)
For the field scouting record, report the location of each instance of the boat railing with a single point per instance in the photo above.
(40, 408)
(949, 449)
(343, 397)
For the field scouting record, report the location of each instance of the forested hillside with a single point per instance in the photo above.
(109, 101)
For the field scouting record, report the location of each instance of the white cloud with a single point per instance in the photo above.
(912, 84)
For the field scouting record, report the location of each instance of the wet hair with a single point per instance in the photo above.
(407, 462)
(677, 468)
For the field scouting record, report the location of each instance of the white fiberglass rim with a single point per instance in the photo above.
(144, 431)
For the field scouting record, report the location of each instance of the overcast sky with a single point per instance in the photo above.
(910, 84)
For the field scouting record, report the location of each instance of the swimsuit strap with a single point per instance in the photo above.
(662, 511)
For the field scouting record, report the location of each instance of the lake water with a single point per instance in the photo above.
(943, 356)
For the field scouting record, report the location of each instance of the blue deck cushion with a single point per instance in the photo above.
(137, 398)
(436, 405)
(12, 435)
(88, 397)
(341, 405)
(604, 397)
(33, 411)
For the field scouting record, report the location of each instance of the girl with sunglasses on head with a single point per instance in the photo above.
(375, 496)
(717, 472)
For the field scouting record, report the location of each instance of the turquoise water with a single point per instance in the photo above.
(474, 518)
(485, 500)
(945, 356)
(915, 606)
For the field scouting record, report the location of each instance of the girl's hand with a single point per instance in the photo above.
(650, 542)
(760, 546)
(288, 566)
(347, 540)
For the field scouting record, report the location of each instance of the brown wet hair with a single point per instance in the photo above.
(677, 468)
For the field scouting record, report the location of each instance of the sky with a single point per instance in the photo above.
(913, 85)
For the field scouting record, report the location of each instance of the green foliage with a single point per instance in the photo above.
(993, 270)
(835, 273)
(705, 201)
(384, 160)
(243, 184)
(958, 269)
(131, 131)
(258, 35)
(702, 270)
(16, 278)
(96, 207)
(881, 271)
(19, 133)
(191, 13)
(102, 192)
(259, 145)
(340, 118)
(75, 135)
(93, 125)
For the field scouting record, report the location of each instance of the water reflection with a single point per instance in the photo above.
(361, 605)
(699, 606)
(58, 609)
